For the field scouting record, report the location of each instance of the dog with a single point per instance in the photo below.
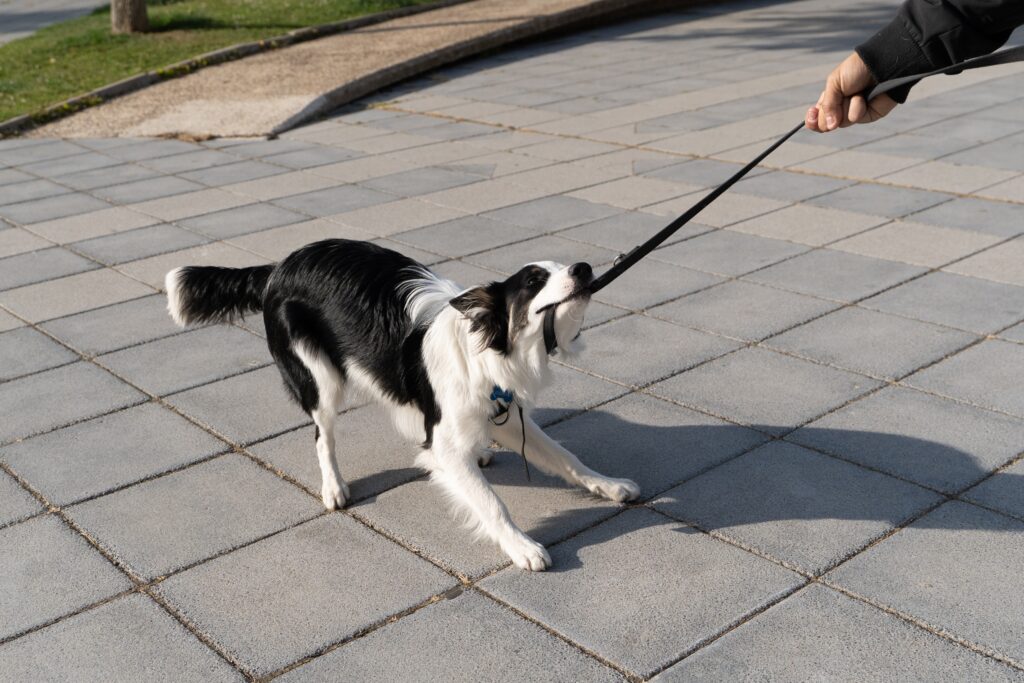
(347, 318)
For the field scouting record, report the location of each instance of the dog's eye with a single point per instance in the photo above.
(533, 281)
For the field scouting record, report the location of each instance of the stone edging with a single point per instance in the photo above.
(20, 124)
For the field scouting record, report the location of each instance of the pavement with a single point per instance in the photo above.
(819, 386)
(19, 18)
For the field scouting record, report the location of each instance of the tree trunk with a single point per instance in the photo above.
(128, 16)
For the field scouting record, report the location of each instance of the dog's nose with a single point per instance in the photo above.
(581, 270)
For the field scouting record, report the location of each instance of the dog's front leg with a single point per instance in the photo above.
(551, 457)
(453, 464)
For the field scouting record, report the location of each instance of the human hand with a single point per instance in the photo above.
(841, 103)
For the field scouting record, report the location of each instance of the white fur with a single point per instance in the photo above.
(333, 489)
(172, 283)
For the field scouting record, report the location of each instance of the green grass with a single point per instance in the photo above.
(79, 55)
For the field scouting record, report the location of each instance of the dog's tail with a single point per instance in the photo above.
(202, 294)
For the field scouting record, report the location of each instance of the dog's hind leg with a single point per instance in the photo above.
(324, 411)
(551, 457)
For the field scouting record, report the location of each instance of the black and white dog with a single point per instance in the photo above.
(344, 316)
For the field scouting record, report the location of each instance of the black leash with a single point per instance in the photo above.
(626, 261)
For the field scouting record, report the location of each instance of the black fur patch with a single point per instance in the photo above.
(499, 310)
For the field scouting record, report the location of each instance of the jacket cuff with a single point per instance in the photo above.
(894, 52)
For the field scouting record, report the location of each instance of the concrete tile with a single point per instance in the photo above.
(263, 148)
(276, 243)
(835, 275)
(38, 266)
(130, 638)
(190, 161)
(773, 392)
(420, 181)
(1003, 492)
(989, 375)
(139, 150)
(737, 208)
(698, 172)
(91, 458)
(451, 131)
(9, 176)
(311, 157)
(229, 174)
(461, 272)
(146, 190)
(1011, 190)
(632, 192)
(110, 175)
(805, 224)
(53, 571)
(372, 456)
(916, 243)
(57, 397)
(503, 192)
(571, 392)
(612, 350)
(152, 270)
(395, 217)
(624, 231)
(93, 224)
(1001, 263)
(464, 236)
(893, 202)
(728, 253)
(955, 300)
(38, 150)
(29, 190)
(930, 440)
(549, 214)
(50, 208)
(420, 516)
(136, 244)
(511, 258)
(281, 185)
(993, 218)
(760, 499)
(876, 344)
(17, 241)
(241, 220)
(654, 443)
(946, 177)
(333, 200)
(930, 570)
(432, 643)
(24, 351)
(742, 310)
(793, 187)
(382, 144)
(851, 640)
(72, 294)
(654, 282)
(186, 360)
(216, 506)
(329, 596)
(8, 322)
(114, 327)
(1015, 333)
(856, 164)
(190, 204)
(15, 502)
(692, 586)
(218, 406)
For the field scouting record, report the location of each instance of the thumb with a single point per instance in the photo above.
(830, 104)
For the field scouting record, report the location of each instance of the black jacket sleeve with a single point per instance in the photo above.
(929, 34)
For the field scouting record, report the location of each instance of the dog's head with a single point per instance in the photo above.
(509, 315)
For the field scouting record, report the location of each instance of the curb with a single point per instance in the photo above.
(20, 124)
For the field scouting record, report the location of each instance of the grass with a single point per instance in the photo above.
(79, 55)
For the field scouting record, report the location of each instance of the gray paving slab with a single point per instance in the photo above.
(699, 172)
(187, 360)
(144, 190)
(761, 500)
(190, 161)
(233, 173)
(227, 406)
(851, 641)
(37, 266)
(419, 181)
(129, 638)
(960, 301)
(113, 327)
(419, 515)
(549, 214)
(624, 231)
(9, 176)
(140, 149)
(24, 351)
(727, 253)
(242, 220)
(743, 310)
(1015, 333)
(1003, 492)
(571, 392)
(894, 202)
(654, 282)
(371, 455)
(773, 392)
(16, 503)
(639, 569)
(989, 374)
(311, 157)
(994, 218)
(612, 350)
(432, 644)
(137, 244)
(654, 443)
(38, 151)
(342, 578)
(931, 570)
(463, 236)
(835, 275)
(52, 571)
(216, 506)
(29, 190)
(876, 344)
(105, 177)
(57, 397)
(794, 187)
(49, 208)
(333, 200)
(108, 452)
(509, 259)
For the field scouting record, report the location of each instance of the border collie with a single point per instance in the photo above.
(346, 317)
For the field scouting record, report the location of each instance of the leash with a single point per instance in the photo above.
(626, 261)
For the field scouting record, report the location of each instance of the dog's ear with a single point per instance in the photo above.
(485, 308)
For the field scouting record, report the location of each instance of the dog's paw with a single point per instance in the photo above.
(619, 490)
(334, 494)
(526, 553)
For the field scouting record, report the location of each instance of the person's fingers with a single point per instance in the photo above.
(811, 119)
(857, 110)
(879, 107)
(830, 107)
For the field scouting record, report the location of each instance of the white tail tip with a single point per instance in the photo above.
(172, 283)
